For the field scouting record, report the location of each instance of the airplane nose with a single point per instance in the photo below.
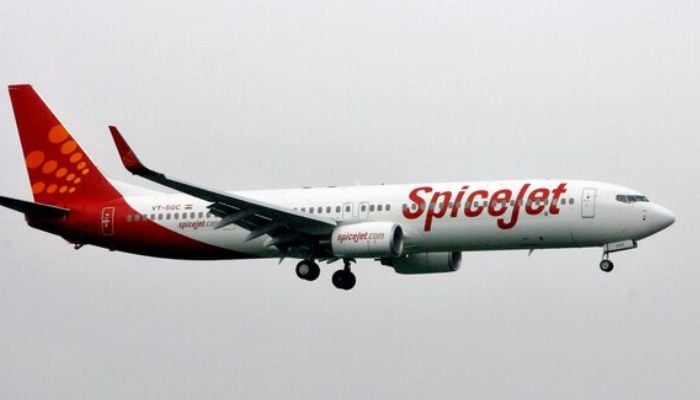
(663, 217)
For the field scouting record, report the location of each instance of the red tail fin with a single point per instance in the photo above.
(60, 172)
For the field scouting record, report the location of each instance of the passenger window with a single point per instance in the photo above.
(328, 210)
(176, 216)
(371, 208)
(571, 201)
(319, 210)
(388, 207)
(379, 207)
(160, 217)
(347, 208)
(364, 208)
(563, 201)
(153, 217)
(167, 216)
(311, 210)
(192, 215)
(337, 209)
(201, 215)
(303, 209)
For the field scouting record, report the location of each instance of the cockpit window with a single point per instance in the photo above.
(631, 198)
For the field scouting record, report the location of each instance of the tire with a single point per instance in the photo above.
(308, 270)
(350, 281)
(338, 279)
(606, 266)
(344, 279)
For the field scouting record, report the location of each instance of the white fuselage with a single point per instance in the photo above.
(460, 216)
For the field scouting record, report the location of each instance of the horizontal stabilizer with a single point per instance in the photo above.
(34, 209)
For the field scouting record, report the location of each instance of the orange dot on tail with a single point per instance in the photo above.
(76, 157)
(61, 173)
(49, 167)
(81, 165)
(86, 171)
(52, 188)
(57, 134)
(34, 159)
(77, 181)
(68, 147)
(38, 187)
(63, 189)
(71, 190)
(70, 177)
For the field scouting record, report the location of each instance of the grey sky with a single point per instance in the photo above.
(283, 94)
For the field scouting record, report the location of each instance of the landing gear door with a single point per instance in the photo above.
(588, 203)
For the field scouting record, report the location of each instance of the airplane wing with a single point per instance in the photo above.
(287, 227)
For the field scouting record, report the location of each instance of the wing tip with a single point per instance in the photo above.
(127, 155)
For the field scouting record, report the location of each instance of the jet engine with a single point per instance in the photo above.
(367, 239)
(425, 263)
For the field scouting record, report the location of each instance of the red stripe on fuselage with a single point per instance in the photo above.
(84, 225)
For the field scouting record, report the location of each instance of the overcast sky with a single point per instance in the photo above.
(251, 95)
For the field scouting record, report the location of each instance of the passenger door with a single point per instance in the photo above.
(588, 203)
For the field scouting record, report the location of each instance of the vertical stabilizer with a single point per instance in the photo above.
(60, 172)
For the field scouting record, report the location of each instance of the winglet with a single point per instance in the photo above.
(129, 159)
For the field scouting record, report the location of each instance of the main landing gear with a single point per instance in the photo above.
(344, 278)
(308, 270)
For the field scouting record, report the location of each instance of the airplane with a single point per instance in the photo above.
(412, 228)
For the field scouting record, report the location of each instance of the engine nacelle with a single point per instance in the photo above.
(367, 239)
(425, 263)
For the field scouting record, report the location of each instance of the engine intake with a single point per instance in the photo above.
(425, 263)
(367, 239)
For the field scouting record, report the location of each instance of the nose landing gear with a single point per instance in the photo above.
(606, 265)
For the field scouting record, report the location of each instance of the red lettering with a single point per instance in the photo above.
(516, 210)
(554, 207)
(499, 202)
(415, 198)
(471, 200)
(458, 201)
(437, 208)
(535, 202)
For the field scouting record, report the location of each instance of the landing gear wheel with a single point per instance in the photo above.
(606, 266)
(344, 279)
(308, 270)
